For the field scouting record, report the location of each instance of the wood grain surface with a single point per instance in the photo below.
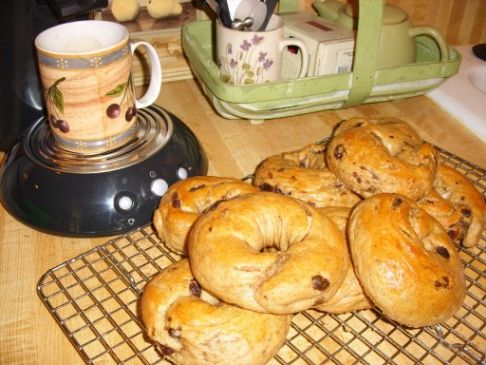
(28, 334)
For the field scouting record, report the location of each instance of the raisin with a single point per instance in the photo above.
(339, 152)
(396, 203)
(452, 234)
(442, 251)
(195, 288)
(166, 350)
(267, 187)
(320, 283)
(442, 283)
(176, 202)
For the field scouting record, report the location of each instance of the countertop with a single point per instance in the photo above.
(29, 335)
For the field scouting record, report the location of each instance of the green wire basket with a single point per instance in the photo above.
(365, 84)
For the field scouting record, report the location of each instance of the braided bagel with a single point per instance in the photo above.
(185, 200)
(303, 174)
(405, 261)
(350, 297)
(457, 205)
(268, 253)
(382, 156)
(193, 327)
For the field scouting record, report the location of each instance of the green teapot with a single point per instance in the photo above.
(397, 44)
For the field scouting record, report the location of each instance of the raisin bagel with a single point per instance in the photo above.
(304, 175)
(350, 297)
(186, 199)
(268, 253)
(405, 261)
(457, 205)
(192, 327)
(382, 155)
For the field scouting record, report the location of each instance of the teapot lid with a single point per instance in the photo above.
(391, 14)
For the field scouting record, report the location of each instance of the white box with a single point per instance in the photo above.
(330, 48)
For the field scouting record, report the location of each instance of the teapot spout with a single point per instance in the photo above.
(328, 9)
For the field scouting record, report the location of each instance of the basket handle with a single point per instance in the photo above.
(366, 50)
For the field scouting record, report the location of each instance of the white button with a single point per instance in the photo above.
(182, 173)
(125, 202)
(159, 187)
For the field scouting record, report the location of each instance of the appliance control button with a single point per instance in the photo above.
(182, 173)
(159, 187)
(125, 202)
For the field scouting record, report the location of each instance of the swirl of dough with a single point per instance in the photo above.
(268, 253)
(185, 200)
(303, 174)
(457, 205)
(405, 261)
(383, 155)
(193, 327)
(350, 296)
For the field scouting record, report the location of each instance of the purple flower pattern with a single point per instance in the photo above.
(236, 67)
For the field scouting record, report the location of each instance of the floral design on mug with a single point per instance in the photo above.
(114, 109)
(237, 67)
(55, 100)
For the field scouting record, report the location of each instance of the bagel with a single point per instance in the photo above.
(268, 253)
(192, 327)
(350, 297)
(185, 200)
(382, 156)
(405, 261)
(457, 205)
(303, 174)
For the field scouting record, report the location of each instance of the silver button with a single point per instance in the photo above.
(182, 173)
(125, 202)
(159, 187)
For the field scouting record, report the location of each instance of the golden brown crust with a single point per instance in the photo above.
(186, 200)
(382, 155)
(350, 297)
(303, 174)
(229, 247)
(195, 328)
(457, 205)
(405, 261)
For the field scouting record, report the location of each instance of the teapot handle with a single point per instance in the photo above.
(434, 34)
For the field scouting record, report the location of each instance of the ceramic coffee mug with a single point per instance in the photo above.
(85, 68)
(255, 57)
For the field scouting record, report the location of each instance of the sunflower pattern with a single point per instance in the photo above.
(240, 67)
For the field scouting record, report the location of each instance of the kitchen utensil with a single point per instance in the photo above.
(254, 9)
(242, 24)
(224, 13)
(271, 4)
(251, 57)
(65, 193)
(58, 191)
(397, 38)
(212, 4)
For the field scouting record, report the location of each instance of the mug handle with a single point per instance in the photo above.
(153, 90)
(435, 34)
(303, 51)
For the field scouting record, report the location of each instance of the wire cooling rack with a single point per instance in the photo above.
(94, 299)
